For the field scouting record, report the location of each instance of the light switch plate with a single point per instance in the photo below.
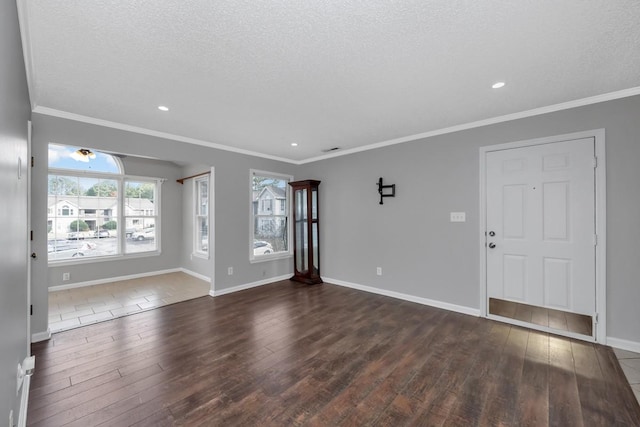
(458, 217)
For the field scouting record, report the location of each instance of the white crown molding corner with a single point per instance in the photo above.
(27, 51)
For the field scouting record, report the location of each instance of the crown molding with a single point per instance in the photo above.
(27, 51)
(150, 132)
(485, 122)
(457, 128)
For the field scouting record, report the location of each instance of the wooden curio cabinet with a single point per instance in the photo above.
(306, 256)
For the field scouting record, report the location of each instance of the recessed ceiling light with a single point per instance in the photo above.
(163, 108)
(294, 144)
(498, 85)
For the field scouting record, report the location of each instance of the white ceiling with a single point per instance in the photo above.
(258, 75)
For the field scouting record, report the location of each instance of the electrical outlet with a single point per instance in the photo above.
(66, 276)
(379, 271)
(458, 217)
(230, 271)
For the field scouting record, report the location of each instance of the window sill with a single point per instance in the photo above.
(266, 258)
(78, 261)
(200, 255)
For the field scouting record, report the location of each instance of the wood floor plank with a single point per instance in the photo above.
(292, 354)
(564, 402)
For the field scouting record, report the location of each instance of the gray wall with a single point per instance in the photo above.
(14, 114)
(423, 254)
(231, 191)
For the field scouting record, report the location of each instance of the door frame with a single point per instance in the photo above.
(600, 329)
(28, 169)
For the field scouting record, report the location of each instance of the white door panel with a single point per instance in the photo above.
(541, 206)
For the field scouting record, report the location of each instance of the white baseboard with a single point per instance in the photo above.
(424, 301)
(196, 275)
(41, 336)
(112, 279)
(220, 292)
(624, 344)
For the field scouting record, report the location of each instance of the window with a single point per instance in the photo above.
(89, 197)
(140, 216)
(269, 216)
(201, 217)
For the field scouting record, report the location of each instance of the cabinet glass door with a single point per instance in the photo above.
(301, 230)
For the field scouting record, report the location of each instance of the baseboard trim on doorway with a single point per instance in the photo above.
(196, 275)
(113, 279)
(41, 336)
(624, 344)
(406, 297)
(220, 292)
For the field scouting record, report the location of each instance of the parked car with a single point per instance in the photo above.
(79, 235)
(102, 234)
(66, 247)
(260, 247)
(146, 234)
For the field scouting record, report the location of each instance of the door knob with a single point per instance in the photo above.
(492, 233)
(492, 245)
(34, 256)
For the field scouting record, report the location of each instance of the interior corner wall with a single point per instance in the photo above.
(232, 205)
(15, 112)
(423, 254)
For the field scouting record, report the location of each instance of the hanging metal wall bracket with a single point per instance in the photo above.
(382, 193)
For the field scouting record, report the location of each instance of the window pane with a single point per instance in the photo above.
(80, 217)
(269, 211)
(201, 220)
(62, 157)
(142, 238)
(140, 216)
(202, 235)
(139, 198)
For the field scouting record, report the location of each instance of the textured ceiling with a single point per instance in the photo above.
(259, 75)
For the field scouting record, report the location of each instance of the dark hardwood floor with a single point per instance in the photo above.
(290, 354)
(555, 319)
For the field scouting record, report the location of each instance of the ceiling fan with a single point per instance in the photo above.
(83, 155)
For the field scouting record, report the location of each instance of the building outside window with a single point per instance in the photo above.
(269, 215)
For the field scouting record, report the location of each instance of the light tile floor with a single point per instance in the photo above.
(77, 307)
(630, 364)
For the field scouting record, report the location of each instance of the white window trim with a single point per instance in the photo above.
(196, 198)
(120, 178)
(273, 256)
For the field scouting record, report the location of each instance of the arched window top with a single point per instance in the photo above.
(83, 159)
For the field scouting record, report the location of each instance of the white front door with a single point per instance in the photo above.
(540, 224)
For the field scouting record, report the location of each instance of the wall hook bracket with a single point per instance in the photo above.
(382, 188)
